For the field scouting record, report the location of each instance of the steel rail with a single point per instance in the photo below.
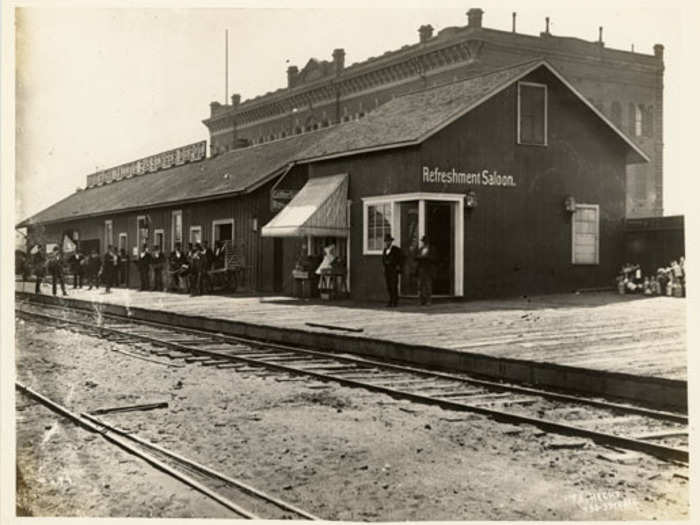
(213, 473)
(660, 451)
(119, 441)
(655, 414)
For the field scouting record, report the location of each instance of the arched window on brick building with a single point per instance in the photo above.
(631, 117)
(638, 120)
(616, 113)
(648, 121)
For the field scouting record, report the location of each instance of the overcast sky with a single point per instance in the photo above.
(100, 87)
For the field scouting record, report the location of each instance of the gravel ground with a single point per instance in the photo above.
(339, 453)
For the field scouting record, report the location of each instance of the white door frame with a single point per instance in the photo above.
(176, 213)
(155, 235)
(421, 197)
(123, 235)
(219, 222)
(109, 241)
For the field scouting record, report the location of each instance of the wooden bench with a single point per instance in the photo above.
(228, 277)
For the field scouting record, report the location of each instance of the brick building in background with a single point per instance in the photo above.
(625, 86)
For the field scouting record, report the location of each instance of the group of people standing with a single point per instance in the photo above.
(92, 269)
(190, 268)
(393, 260)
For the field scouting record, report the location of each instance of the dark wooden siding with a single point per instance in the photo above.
(243, 209)
(518, 239)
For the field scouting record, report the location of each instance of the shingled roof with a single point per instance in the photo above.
(246, 168)
(403, 121)
(412, 118)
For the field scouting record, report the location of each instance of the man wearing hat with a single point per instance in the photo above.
(392, 259)
(56, 269)
(426, 270)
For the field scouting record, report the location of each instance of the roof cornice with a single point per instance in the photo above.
(549, 44)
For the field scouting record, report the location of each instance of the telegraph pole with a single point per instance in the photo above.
(226, 91)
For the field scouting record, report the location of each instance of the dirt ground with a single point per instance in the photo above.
(337, 452)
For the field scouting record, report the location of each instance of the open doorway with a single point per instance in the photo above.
(439, 227)
(222, 230)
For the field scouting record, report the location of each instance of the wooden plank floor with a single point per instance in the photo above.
(602, 331)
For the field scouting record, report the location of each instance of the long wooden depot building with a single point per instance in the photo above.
(517, 179)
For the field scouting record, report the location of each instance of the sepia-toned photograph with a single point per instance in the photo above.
(358, 264)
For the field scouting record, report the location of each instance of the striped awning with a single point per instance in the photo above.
(319, 210)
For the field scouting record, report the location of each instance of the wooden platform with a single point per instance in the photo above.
(598, 331)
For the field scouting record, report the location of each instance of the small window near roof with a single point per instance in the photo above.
(532, 114)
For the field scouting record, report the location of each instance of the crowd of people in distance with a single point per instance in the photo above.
(92, 269)
(669, 280)
(189, 270)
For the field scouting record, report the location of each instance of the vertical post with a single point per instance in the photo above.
(348, 248)
(421, 219)
(459, 248)
(226, 94)
(514, 21)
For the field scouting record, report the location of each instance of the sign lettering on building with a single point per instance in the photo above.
(280, 198)
(161, 161)
(484, 177)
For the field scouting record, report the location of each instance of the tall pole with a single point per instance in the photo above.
(226, 95)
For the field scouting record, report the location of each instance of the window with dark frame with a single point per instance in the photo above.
(532, 114)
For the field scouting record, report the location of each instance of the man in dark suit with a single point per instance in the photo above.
(92, 270)
(426, 270)
(178, 267)
(158, 262)
(123, 268)
(392, 259)
(144, 268)
(219, 255)
(56, 269)
(110, 267)
(195, 269)
(76, 268)
(206, 257)
(39, 266)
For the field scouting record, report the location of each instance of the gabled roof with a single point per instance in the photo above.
(404, 121)
(237, 171)
(410, 119)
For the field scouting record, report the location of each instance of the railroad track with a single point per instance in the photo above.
(238, 497)
(619, 426)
